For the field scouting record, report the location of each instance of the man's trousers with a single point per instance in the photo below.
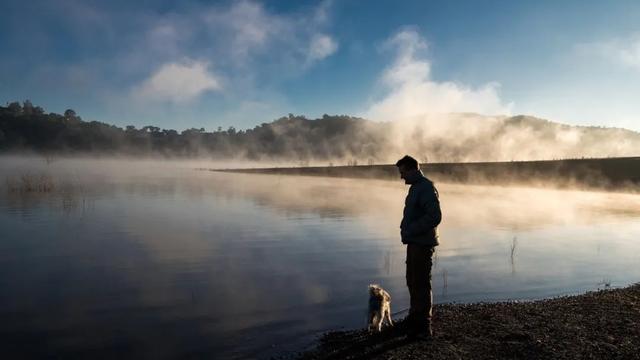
(419, 262)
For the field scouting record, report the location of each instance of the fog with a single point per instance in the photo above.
(472, 137)
(431, 137)
(79, 183)
(443, 121)
(472, 213)
(504, 206)
(329, 140)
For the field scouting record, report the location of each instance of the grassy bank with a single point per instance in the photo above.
(609, 173)
(596, 325)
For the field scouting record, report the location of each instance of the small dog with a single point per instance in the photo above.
(379, 308)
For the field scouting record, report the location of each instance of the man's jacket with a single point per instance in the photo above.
(421, 214)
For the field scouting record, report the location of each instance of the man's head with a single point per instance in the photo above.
(407, 166)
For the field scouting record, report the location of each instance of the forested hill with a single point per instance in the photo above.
(343, 139)
(29, 128)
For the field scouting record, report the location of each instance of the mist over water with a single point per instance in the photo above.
(156, 260)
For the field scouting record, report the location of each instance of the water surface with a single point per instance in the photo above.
(150, 260)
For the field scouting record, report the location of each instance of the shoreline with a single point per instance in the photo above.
(594, 325)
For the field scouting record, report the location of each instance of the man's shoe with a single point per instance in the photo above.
(419, 336)
(429, 330)
(422, 333)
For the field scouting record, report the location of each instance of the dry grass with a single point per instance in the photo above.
(30, 183)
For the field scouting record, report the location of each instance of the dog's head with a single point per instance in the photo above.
(375, 291)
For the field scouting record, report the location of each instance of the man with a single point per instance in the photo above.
(419, 231)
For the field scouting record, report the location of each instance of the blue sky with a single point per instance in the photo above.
(241, 63)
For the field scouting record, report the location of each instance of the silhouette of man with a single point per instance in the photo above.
(419, 231)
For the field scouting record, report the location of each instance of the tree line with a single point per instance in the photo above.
(336, 139)
(28, 128)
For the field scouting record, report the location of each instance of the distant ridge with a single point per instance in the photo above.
(335, 140)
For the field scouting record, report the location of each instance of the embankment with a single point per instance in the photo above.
(607, 173)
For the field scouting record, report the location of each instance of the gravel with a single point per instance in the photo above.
(596, 325)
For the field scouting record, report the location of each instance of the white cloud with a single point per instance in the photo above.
(411, 92)
(623, 51)
(177, 82)
(246, 30)
(164, 39)
(407, 43)
(631, 55)
(249, 28)
(321, 14)
(321, 46)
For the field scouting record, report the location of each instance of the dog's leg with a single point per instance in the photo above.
(372, 321)
(380, 319)
(388, 317)
(375, 321)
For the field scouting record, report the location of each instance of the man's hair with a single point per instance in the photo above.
(407, 162)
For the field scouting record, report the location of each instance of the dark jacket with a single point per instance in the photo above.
(421, 214)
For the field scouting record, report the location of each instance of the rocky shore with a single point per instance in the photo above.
(597, 325)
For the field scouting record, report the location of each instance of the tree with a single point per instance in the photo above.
(70, 114)
(151, 129)
(15, 108)
(27, 107)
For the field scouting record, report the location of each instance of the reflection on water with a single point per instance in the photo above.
(161, 261)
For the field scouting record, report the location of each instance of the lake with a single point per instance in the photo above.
(133, 259)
